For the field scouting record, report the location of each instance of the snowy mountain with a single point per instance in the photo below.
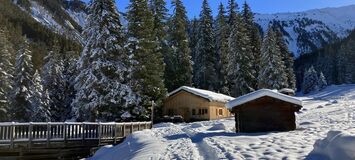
(310, 30)
(305, 32)
(66, 17)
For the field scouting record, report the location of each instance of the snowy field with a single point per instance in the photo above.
(330, 110)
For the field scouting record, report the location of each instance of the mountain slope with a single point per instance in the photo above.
(310, 30)
(41, 38)
(66, 17)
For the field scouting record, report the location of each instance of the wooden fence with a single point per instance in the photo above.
(13, 133)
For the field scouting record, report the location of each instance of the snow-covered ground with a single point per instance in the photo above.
(330, 110)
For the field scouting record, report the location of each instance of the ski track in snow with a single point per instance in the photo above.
(323, 112)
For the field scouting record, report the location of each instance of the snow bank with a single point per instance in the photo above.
(337, 145)
(218, 126)
(139, 145)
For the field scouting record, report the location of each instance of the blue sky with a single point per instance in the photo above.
(260, 6)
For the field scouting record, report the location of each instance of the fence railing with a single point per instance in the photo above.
(12, 133)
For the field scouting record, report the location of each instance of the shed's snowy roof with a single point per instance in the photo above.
(262, 93)
(211, 96)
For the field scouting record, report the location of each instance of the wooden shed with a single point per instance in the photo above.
(196, 104)
(265, 110)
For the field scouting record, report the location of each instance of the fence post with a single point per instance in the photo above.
(30, 128)
(12, 134)
(83, 132)
(124, 130)
(100, 133)
(65, 132)
(48, 133)
(131, 127)
(115, 133)
(139, 126)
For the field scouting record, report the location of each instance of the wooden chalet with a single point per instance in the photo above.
(196, 104)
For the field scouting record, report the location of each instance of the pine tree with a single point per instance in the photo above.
(272, 73)
(26, 97)
(103, 84)
(54, 83)
(205, 76)
(232, 12)
(39, 101)
(322, 82)
(178, 62)
(310, 81)
(255, 40)
(69, 74)
(6, 72)
(344, 63)
(148, 64)
(287, 58)
(222, 49)
(193, 31)
(240, 65)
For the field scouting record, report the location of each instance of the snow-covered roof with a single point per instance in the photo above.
(262, 93)
(211, 96)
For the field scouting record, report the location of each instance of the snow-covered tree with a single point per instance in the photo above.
(178, 62)
(148, 70)
(272, 73)
(322, 82)
(55, 84)
(69, 74)
(193, 30)
(205, 76)
(240, 65)
(27, 100)
(39, 100)
(103, 84)
(287, 58)
(222, 49)
(232, 12)
(6, 71)
(310, 81)
(254, 38)
(345, 63)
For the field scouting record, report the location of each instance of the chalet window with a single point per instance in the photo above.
(205, 111)
(199, 111)
(193, 112)
(220, 112)
(216, 112)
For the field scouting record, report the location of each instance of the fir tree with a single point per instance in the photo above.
(255, 40)
(27, 96)
(272, 73)
(178, 62)
(287, 58)
(69, 74)
(240, 66)
(6, 72)
(322, 82)
(193, 39)
(39, 101)
(54, 83)
(205, 76)
(222, 49)
(310, 81)
(345, 62)
(103, 84)
(148, 63)
(232, 12)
